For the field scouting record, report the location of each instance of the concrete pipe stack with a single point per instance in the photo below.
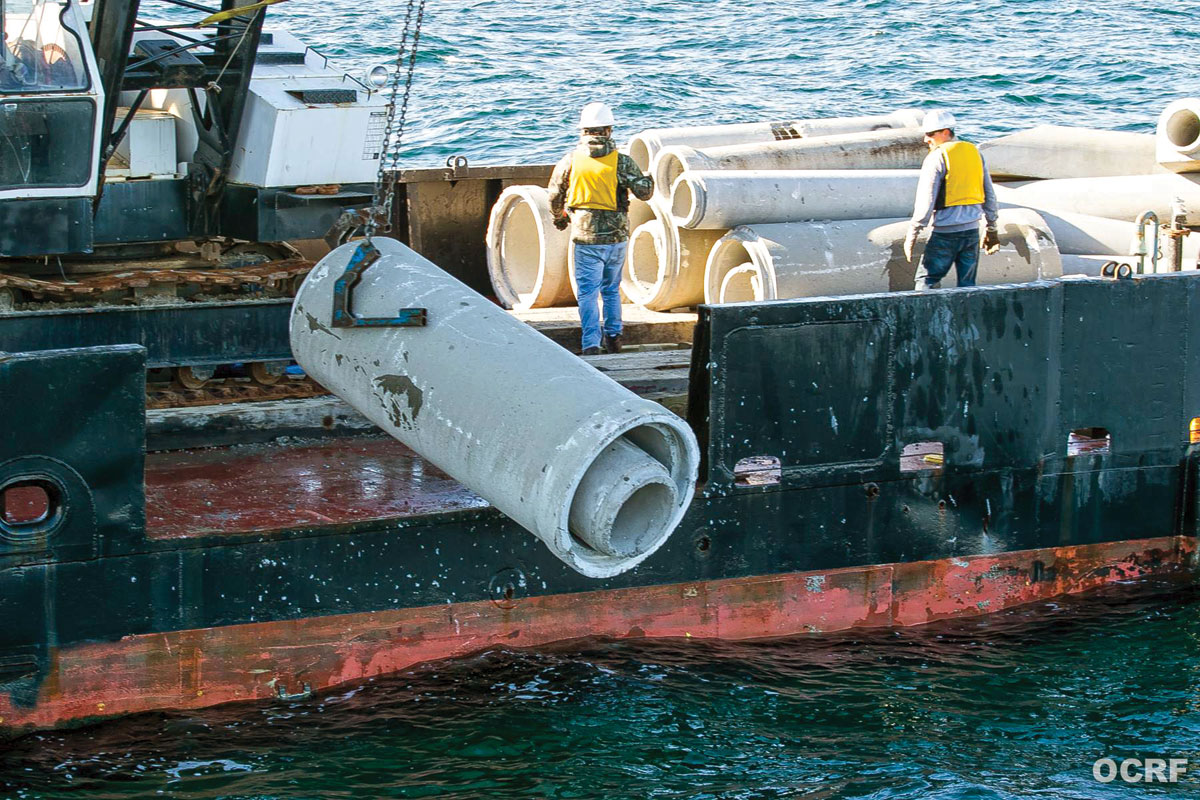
(738, 209)
(530, 261)
(775, 261)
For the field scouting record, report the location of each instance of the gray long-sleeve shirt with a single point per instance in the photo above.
(951, 219)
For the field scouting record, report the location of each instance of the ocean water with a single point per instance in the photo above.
(501, 81)
(1016, 705)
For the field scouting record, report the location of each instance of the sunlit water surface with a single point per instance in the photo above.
(1015, 705)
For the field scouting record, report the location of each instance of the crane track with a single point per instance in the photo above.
(273, 277)
(229, 390)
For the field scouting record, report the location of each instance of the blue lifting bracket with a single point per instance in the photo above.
(343, 297)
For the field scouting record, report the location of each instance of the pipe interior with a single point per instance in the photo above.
(640, 212)
(682, 200)
(726, 255)
(670, 167)
(640, 153)
(1183, 128)
(642, 518)
(521, 248)
(645, 263)
(666, 446)
(741, 285)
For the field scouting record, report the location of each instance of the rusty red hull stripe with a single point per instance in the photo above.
(195, 668)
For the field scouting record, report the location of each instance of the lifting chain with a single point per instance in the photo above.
(385, 179)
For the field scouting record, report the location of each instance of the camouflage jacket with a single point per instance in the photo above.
(592, 226)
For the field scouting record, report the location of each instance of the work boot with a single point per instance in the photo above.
(592, 351)
(612, 344)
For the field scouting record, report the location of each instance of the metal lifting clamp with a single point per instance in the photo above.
(343, 296)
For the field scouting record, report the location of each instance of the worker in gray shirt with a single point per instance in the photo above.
(955, 190)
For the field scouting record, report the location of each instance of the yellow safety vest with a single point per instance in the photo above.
(593, 182)
(964, 175)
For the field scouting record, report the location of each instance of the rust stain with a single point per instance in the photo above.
(197, 668)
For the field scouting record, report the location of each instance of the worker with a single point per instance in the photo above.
(589, 191)
(955, 190)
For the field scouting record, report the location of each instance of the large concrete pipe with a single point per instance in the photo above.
(526, 254)
(726, 199)
(1178, 136)
(599, 474)
(644, 146)
(664, 268)
(1058, 151)
(1121, 197)
(811, 259)
(902, 148)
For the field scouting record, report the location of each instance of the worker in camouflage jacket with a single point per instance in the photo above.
(589, 191)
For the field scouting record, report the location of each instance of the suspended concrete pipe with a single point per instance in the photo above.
(901, 148)
(644, 146)
(526, 254)
(726, 199)
(1057, 151)
(600, 475)
(1178, 136)
(664, 267)
(1121, 197)
(813, 259)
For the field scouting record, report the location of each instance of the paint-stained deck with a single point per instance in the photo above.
(271, 487)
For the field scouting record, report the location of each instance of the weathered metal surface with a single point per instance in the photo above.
(45, 226)
(181, 334)
(142, 211)
(265, 660)
(277, 215)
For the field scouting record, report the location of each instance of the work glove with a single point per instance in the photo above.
(562, 223)
(910, 242)
(991, 240)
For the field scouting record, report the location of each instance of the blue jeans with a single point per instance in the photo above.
(944, 250)
(598, 272)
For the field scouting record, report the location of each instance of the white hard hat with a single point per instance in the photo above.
(596, 115)
(938, 121)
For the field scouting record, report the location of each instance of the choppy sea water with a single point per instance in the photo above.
(1016, 705)
(501, 81)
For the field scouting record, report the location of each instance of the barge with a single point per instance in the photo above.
(866, 461)
(877, 460)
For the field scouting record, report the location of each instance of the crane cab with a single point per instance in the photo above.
(51, 96)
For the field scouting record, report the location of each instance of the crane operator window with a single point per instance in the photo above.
(41, 54)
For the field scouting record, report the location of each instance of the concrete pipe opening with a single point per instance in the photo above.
(728, 254)
(684, 199)
(624, 502)
(526, 254)
(640, 151)
(742, 284)
(521, 251)
(632, 496)
(643, 267)
(1183, 129)
(672, 162)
